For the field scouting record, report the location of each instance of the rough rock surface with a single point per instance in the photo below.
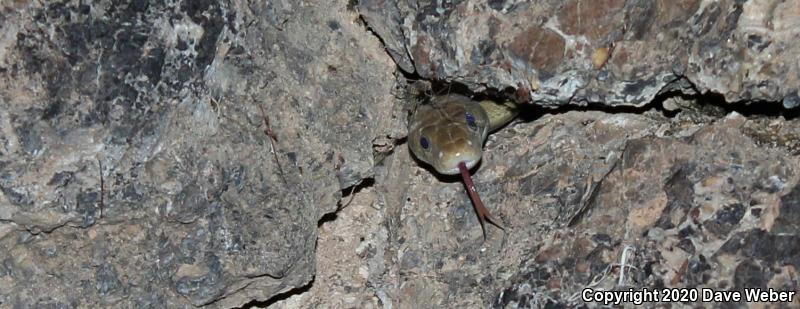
(138, 169)
(673, 201)
(134, 167)
(610, 52)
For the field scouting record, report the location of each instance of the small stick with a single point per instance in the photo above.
(267, 129)
(681, 271)
(273, 138)
(480, 209)
(352, 195)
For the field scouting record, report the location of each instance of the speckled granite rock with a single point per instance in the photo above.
(691, 205)
(610, 52)
(137, 168)
(134, 167)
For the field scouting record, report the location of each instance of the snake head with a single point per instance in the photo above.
(448, 133)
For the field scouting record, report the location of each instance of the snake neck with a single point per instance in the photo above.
(499, 114)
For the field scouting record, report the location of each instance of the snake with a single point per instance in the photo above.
(448, 134)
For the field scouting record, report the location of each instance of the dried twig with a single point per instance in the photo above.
(680, 273)
(352, 194)
(273, 138)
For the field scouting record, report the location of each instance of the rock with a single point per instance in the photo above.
(604, 52)
(195, 153)
(136, 171)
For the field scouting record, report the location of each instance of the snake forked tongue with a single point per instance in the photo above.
(483, 213)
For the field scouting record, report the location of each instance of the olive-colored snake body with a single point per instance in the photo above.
(449, 134)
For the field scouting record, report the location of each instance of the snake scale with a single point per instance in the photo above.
(449, 133)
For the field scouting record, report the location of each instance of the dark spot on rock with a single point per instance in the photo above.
(554, 305)
(598, 266)
(749, 274)
(152, 64)
(680, 196)
(472, 258)
(496, 4)
(61, 179)
(53, 109)
(725, 220)
(207, 14)
(77, 44)
(602, 239)
(15, 196)
(138, 6)
(537, 277)
(334, 25)
(193, 204)
(237, 176)
(84, 9)
(634, 152)
(30, 138)
(698, 271)
(647, 269)
(87, 206)
(482, 52)
(685, 232)
(540, 183)
(757, 43)
(181, 45)
(735, 242)
(639, 86)
(128, 49)
(196, 9)
(686, 245)
(239, 50)
(410, 260)
(509, 295)
(788, 221)
(568, 263)
(730, 214)
(107, 280)
(292, 157)
(99, 112)
(351, 5)
(33, 62)
(759, 244)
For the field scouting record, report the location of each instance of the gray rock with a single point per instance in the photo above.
(194, 153)
(606, 52)
(136, 171)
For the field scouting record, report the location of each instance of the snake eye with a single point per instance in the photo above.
(424, 143)
(471, 121)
